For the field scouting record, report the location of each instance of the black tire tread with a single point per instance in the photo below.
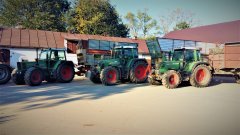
(194, 83)
(27, 76)
(103, 75)
(94, 78)
(165, 79)
(17, 79)
(8, 74)
(59, 77)
(132, 75)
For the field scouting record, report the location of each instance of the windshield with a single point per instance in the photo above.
(127, 52)
(178, 55)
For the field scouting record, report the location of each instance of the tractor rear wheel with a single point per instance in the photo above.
(109, 76)
(138, 73)
(33, 76)
(16, 78)
(65, 73)
(171, 79)
(201, 76)
(5, 74)
(94, 77)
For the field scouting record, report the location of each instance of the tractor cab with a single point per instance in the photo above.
(125, 52)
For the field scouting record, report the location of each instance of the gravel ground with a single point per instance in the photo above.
(82, 107)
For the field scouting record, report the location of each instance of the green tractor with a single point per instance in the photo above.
(183, 64)
(50, 66)
(124, 65)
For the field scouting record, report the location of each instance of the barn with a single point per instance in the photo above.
(20, 44)
(206, 37)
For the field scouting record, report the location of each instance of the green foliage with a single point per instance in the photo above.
(34, 14)
(181, 26)
(141, 22)
(96, 17)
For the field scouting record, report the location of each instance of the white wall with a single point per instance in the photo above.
(19, 54)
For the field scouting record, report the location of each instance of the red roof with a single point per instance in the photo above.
(25, 38)
(216, 33)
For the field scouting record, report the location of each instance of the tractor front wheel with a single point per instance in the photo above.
(33, 76)
(65, 73)
(95, 77)
(5, 74)
(109, 76)
(171, 79)
(138, 73)
(201, 76)
(17, 78)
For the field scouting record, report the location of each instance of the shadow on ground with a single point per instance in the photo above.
(53, 94)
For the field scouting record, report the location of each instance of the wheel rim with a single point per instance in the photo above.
(2, 73)
(172, 79)
(200, 75)
(112, 76)
(66, 73)
(36, 77)
(140, 72)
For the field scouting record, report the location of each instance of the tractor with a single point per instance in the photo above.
(124, 65)
(50, 66)
(182, 64)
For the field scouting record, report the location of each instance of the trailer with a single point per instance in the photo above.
(225, 61)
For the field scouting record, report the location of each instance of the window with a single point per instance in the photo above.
(43, 55)
(104, 45)
(112, 44)
(93, 44)
(189, 55)
(178, 55)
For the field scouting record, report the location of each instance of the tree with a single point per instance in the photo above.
(177, 16)
(34, 14)
(181, 26)
(146, 23)
(132, 24)
(142, 22)
(96, 17)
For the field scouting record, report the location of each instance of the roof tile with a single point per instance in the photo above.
(25, 38)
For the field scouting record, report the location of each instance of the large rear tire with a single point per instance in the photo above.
(109, 76)
(65, 73)
(171, 79)
(138, 73)
(201, 76)
(17, 78)
(5, 74)
(33, 76)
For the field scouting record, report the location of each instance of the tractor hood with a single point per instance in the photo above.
(109, 62)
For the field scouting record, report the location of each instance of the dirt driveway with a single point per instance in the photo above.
(82, 107)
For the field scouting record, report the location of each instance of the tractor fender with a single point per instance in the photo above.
(133, 61)
(201, 63)
(61, 63)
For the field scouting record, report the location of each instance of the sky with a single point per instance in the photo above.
(206, 11)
